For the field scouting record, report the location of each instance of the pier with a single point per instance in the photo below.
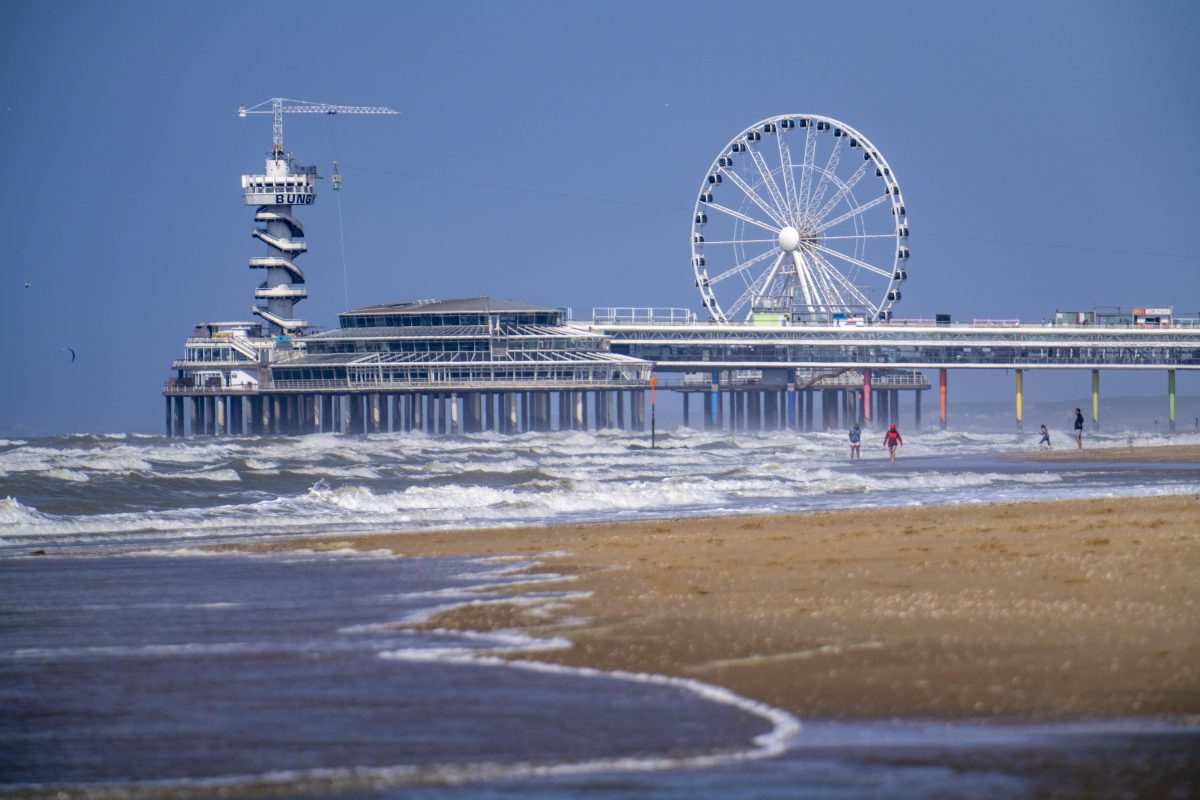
(799, 288)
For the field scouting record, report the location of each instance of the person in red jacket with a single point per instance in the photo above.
(892, 440)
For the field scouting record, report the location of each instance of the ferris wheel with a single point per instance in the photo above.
(821, 236)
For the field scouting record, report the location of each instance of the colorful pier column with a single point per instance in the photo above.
(866, 391)
(1171, 399)
(1020, 399)
(1095, 399)
(942, 397)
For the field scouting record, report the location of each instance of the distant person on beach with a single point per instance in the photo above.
(1078, 429)
(892, 440)
(1045, 442)
(855, 441)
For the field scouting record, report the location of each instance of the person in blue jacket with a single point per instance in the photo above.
(855, 441)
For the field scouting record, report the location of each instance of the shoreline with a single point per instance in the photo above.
(1050, 610)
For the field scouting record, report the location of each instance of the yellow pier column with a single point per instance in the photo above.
(1020, 399)
(1171, 398)
(1095, 399)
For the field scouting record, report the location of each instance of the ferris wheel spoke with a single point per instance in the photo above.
(742, 267)
(768, 179)
(854, 212)
(742, 241)
(842, 191)
(831, 165)
(850, 260)
(845, 282)
(830, 292)
(806, 167)
(742, 217)
(789, 180)
(753, 290)
(754, 197)
(861, 236)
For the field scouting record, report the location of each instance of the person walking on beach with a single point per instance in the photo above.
(1078, 429)
(1044, 444)
(855, 441)
(892, 440)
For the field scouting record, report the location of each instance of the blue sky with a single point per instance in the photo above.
(551, 152)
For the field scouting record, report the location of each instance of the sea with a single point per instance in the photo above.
(148, 648)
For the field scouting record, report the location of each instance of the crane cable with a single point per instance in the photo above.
(337, 186)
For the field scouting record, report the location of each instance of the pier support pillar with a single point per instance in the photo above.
(894, 407)
(441, 412)
(1095, 399)
(917, 405)
(356, 414)
(327, 413)
(866, 373)
(179, 430)
(510, 412)
(809, 397)
(789, 400)
(168, 399)
(376, 413)
(1171, 400)
(1020, 399)
(454, 412)
(942, 398)
(418, 412)
(578, 411)
(687, 415)
(756, 411)
(771, 411)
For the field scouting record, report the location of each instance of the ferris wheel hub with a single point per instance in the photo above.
(789, 239)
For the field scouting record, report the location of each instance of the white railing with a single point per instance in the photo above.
(631, 315)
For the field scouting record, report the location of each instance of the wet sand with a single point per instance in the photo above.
(1183, 453)
(1054, 610)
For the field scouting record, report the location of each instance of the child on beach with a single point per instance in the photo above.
(892, 440)
(1078, 429)
(855, 441)
(1044, 444)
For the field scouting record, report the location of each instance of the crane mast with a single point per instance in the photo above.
(282, 185)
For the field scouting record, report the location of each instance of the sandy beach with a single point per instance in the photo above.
(1049, 610)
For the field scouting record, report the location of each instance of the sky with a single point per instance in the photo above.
(551, 152)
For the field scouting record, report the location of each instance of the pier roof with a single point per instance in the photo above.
(458, 305)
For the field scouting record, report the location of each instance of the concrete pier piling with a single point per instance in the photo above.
(1095, 399)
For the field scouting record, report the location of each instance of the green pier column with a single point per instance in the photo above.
(1095, 399)
(1020, 399)
(1171, 399)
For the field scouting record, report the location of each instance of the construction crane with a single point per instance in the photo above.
(278, 106)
